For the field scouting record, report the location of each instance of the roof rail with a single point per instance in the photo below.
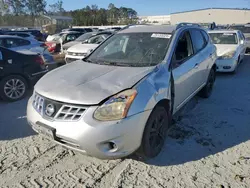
(133, 25)
(186, 24)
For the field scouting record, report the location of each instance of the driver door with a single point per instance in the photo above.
(183, 70)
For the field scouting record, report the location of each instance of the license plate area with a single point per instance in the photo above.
(45, 130)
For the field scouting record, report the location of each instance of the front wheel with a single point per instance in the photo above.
(208, 88)
(154, 133)
(13, 88)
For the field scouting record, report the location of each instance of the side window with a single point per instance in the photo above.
(22, 42)
(11, 43)
(95, 40)
(197, 39)
(70, 38)
(205, 36)
(1, 56)
(183, 49)
(1, 42)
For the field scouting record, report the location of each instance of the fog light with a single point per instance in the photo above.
(112, 147)
(227, 67)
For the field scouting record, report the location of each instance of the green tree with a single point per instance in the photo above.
(56, 8)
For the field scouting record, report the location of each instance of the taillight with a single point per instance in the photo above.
(39, 60)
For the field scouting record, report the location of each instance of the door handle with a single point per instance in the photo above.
(196, 66)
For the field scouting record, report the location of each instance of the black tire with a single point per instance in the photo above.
(153, 140)
(22, 85)
(208, 88)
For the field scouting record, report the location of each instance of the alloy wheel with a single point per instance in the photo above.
(14, 88)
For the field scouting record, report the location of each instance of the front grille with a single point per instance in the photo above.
(62, 112)
(69, 113)
(38, 103)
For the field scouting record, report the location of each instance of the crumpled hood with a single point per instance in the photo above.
(82, 48)
(224, 48)
(87, 83)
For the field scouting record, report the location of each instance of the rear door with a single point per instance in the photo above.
(202, 57)
(10, 62)
(182, 65)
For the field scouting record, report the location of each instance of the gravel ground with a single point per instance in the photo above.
(208, 147)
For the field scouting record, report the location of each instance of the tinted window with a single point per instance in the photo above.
(22, 42)
(1, 42)
(183, 49)
(84, 36)
(88, 30)
(11, 43)
(197, 39)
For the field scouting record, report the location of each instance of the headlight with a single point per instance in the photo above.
(228, 55)
(53, 45)
(116, 107)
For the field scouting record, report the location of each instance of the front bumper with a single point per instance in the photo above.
(104, 140)
(226, 65)
(71, 58)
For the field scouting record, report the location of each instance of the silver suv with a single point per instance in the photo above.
(120, 99)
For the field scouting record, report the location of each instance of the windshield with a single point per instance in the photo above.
(132, 49)
(84, 36)
(224, 38)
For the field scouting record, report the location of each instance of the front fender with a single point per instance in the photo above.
(152, 89)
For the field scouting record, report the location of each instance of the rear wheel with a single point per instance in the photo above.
(13, 88)
(207, 90)
(154, 133)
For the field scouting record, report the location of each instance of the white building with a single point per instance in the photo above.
(163, 19)
(209, 15)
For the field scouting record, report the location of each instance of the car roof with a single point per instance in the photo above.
(149, 29)
(223, 31)
(18, 32)
(11, 36)
(68, 32)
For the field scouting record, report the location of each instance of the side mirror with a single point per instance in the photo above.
(1, 56)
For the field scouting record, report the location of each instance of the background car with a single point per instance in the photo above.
(81, 50)
(19, 43)
(18, 72)
(80, 39)
(36, 33)
(55, 44)
(245, 29)
(231, 49)
(21, 34)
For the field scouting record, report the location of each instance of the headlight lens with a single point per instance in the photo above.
(116, 107)
(53, 45)
(228, 55)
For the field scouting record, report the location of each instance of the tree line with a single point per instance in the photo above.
(24, 13)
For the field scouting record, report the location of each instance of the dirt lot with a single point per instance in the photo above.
(208, 147)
